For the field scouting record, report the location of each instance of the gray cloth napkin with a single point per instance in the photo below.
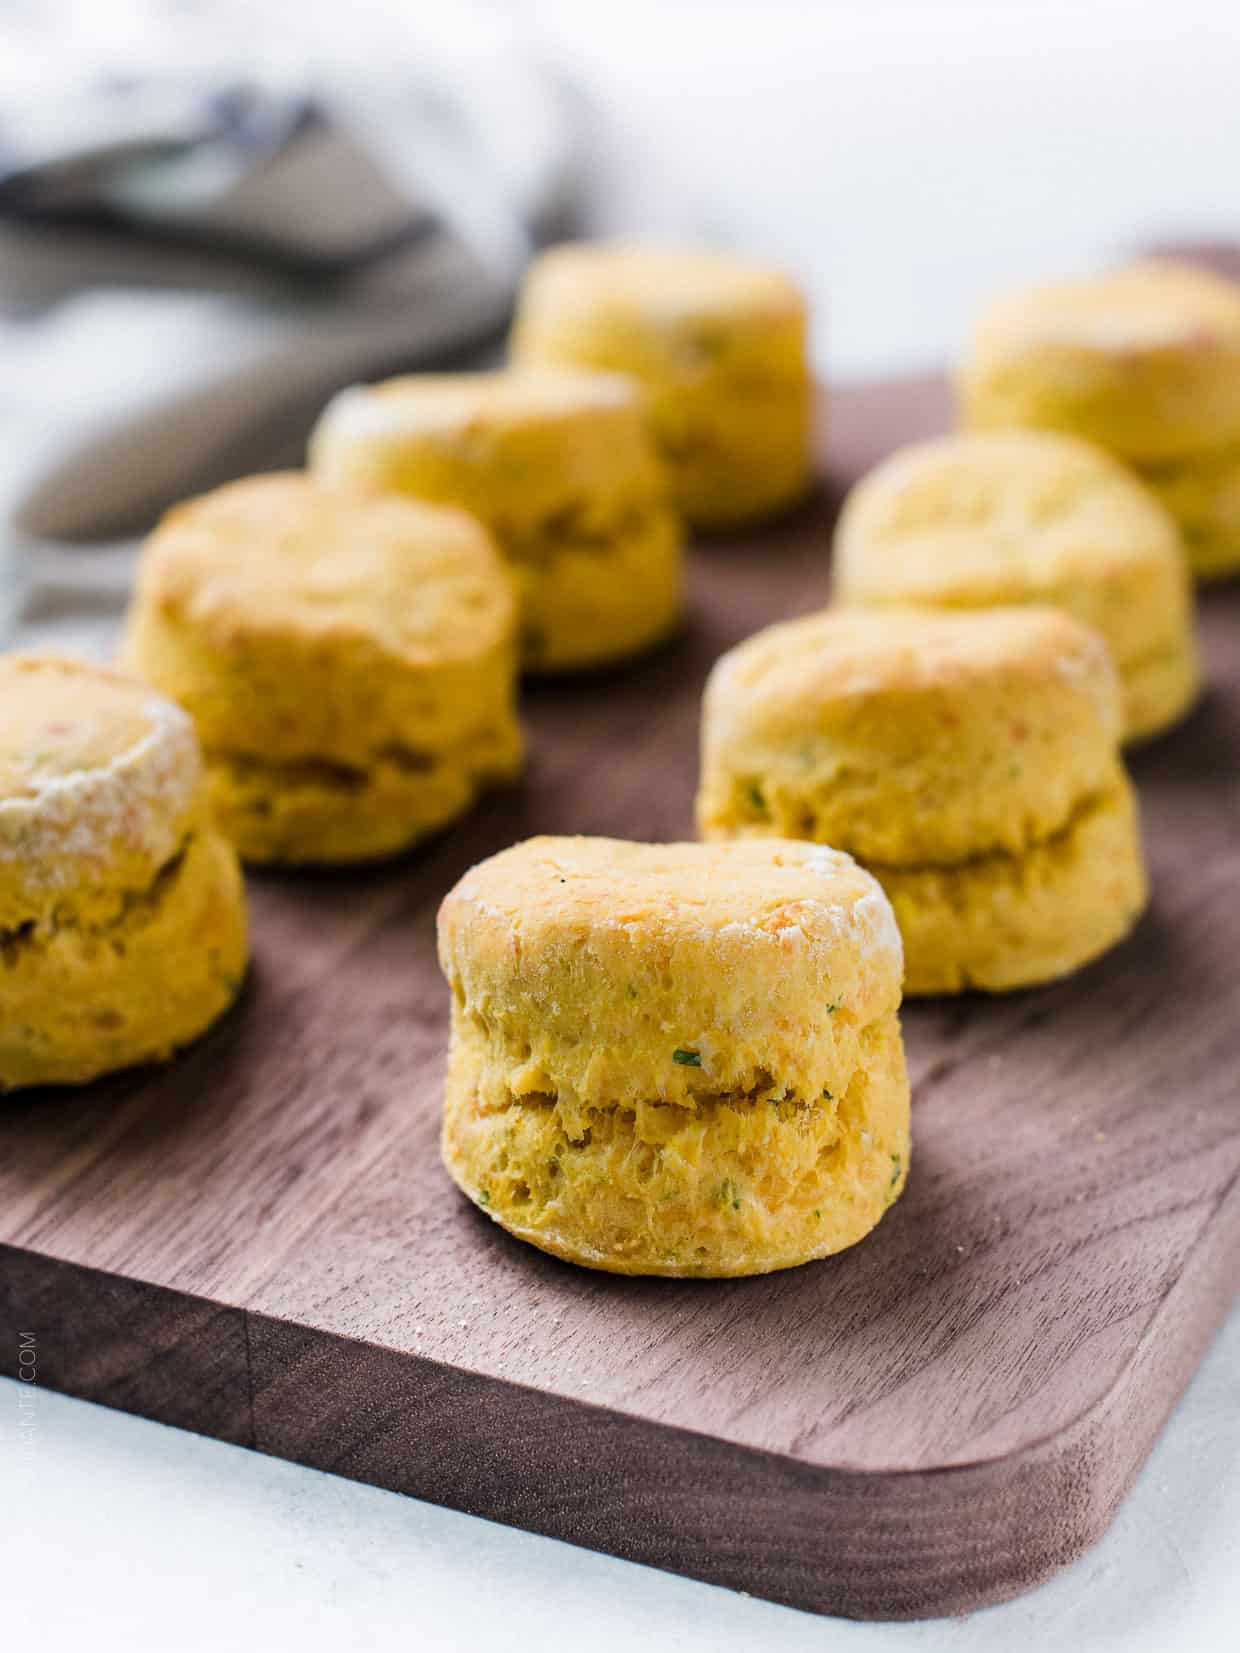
(188, 270)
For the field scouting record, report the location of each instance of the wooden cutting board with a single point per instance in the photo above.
(257, 1242)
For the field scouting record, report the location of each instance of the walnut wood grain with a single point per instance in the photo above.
(257, 1241)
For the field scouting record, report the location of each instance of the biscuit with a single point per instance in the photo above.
(718, 341)
(122, 914)
(559, 466)
(1144, 361)
(1202, 492)
(677, 1059)
(349, 660)
(969, 760)
(1030, 517)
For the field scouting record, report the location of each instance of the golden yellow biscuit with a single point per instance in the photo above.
(1007, 921)
(122, 916)
(676, 1059)
(1030, 517)
(969, 760)
(1144, 361)
(1202, 492)
(718, 341)
(349, 660)
(560, 467)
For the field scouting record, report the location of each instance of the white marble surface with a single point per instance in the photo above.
(904, 157)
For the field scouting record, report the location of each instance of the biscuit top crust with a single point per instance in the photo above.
(529, 452)
(92, 766)
(987, 515)
(458, 406)
(289, 554)
(851, 656)
(1155, 305)
(664, 282)
(771, 896)
(911, 735)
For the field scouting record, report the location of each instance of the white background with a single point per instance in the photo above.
(904, 159)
